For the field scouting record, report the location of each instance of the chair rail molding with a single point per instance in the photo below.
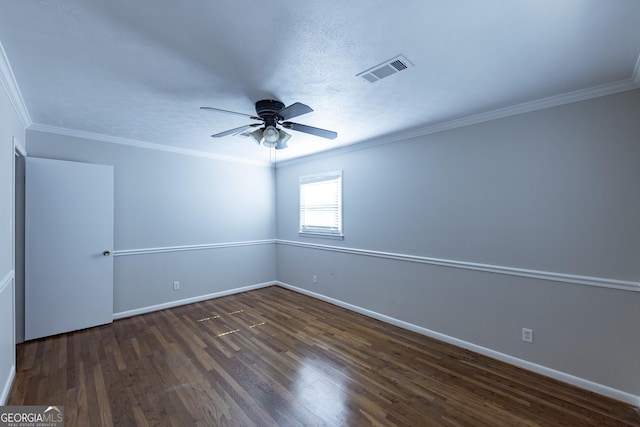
(489, 268)
(145, 251)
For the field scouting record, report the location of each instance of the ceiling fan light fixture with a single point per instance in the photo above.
(257, 135)
(282, 143)
(271, 135)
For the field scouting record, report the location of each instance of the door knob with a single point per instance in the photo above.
(106, 253)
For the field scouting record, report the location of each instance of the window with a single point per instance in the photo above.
(321, 204)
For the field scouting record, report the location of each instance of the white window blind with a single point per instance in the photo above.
(321, 204)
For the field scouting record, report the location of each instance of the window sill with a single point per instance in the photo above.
(321, 236)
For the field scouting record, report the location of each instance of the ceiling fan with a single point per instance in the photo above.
(273, 115)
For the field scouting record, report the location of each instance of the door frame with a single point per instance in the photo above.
(19, 152)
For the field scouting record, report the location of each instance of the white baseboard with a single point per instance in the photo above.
(185, 301)
(524, 364)
(7, 386)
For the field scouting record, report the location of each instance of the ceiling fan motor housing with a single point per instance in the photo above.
(268, 109)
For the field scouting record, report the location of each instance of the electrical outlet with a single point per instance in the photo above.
(315, 279)
(176, 285)
(527, 335)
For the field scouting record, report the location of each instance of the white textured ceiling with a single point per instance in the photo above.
(141, 69)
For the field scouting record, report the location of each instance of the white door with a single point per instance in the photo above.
(68, 244)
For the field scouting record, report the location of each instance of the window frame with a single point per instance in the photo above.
(318, 231)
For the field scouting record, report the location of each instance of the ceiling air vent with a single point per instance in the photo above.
(386, 69)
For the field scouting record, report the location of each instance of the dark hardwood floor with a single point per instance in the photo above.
(273, 357)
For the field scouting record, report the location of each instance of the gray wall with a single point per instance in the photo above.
(10, 126)
(173, 200)
(554, 191)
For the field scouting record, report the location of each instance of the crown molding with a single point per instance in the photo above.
(526, 107)
(140, 144)
(10, 85)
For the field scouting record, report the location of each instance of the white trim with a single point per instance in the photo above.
(145, 251)
(18, 147)
(10, 85)
(4, 284)
(636, 72)
(142, 144)
(19, 150)
(526, 107)
(321, 236)
(521, 363)
(7, 386)
(490, 268)
(6, 280)
(185, 301)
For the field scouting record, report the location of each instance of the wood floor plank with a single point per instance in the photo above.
(273, 357)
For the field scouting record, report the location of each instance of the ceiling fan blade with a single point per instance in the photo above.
(294, 110)
(329, 134)
(230, 112)
(234, 131)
